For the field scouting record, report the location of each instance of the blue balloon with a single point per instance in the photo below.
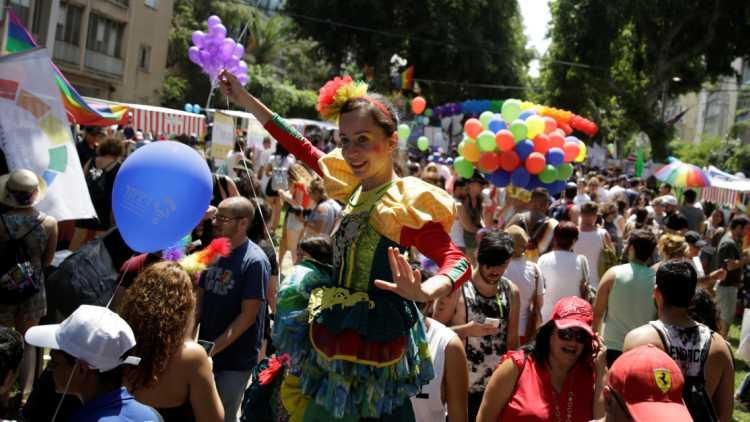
(555, 156)
(161, 193)
(520, 177)
(500, 178)
(526, 114)
(196, 109)
(534, 183)
(555, 188)
(188, 107)
(524, 148)
(496, 125)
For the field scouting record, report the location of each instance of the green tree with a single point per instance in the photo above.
(459, 41)
(284, 69)
(635, 55)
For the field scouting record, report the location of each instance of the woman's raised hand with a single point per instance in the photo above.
(232, 88)
(407, 282)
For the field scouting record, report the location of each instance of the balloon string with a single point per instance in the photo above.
(75, 365)
(257, 204)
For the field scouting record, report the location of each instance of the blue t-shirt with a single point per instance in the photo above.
(116, 406)
(242, 275)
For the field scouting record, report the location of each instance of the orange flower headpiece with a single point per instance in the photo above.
(336, 92)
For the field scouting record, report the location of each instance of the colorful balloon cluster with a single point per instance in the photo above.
(214, 52)
(566, 120)
(192, 108)
(518, 147)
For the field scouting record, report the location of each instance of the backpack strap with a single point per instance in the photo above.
(663, 339)
(38, 223)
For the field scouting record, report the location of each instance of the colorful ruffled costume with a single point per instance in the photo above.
(358, 351)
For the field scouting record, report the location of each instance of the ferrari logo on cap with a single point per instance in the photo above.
(663, 379)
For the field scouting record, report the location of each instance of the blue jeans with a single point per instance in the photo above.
(231, 386)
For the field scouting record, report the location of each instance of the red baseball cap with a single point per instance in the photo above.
(650, 383)
(570, 312)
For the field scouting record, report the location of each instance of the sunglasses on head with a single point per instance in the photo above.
(576, 334)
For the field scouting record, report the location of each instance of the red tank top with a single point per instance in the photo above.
(534, 399)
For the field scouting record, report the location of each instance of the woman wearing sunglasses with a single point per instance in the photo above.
(559, 378)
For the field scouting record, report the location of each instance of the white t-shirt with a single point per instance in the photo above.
(527, 277)
(562, 273)
(581, 199)
(698, 267)
(428, 404)
(457, 233)
(590, 244)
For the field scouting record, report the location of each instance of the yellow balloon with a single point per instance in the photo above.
(525, 105)
(471, 151)
(582, 154)
(535, 125)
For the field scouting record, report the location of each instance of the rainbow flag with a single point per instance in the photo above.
(407, 79)
(19, 39)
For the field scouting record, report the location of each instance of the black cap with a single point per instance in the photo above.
(693, 238)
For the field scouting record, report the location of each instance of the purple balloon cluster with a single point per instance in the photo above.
(213, 51)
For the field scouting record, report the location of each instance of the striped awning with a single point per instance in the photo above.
(166, 121)
(720, 196)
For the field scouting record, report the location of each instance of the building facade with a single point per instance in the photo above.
(109, 49)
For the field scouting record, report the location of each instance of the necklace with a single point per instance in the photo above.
(568, 407)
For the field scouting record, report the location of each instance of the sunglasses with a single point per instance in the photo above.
(576, 334)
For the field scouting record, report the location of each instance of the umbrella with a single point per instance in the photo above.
(683, 175)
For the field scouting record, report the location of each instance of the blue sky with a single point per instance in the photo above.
(536, 17)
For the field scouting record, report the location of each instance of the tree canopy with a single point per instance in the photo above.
(619, 61)
(452, 41)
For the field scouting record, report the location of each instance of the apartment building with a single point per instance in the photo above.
(110, 49)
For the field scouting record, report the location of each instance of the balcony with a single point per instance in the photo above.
(67, 52)
(102, 63)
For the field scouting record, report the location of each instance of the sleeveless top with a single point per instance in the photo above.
(590, 245)
(428, 403)
(630, 304)
(18, 225)
(535, 400)
(483, 353)
(688, 346)
(181, 413)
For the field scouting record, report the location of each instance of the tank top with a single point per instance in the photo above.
(18, 225)
(688, 346)
(589, 244)
(535, 400)
(428, 404)
(630, 303)
(484, 353)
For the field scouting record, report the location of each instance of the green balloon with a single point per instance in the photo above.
(485, 118)
(403, 131)
(565, 171)
(518, 129)
(428, 112)
(486, 141)
(511, 110)
(463, 167)
(423, 143)
(549, 174)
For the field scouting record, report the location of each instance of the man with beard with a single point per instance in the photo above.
(484, 312)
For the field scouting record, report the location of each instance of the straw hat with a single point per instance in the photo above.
(21, 189)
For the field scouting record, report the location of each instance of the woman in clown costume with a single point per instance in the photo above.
(357, 343)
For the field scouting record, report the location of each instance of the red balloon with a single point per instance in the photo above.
(535, 163)
(509, 161)
(541, 143)
(550, 124)
(418, 104)
(488, 162)
(571, 150)
(473, 127)
(505, 140)
(566, 128)
(556, 141)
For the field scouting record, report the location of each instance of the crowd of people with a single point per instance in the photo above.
(361, 283)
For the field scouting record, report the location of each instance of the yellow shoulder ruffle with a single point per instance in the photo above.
(412, 203)
(338, 178)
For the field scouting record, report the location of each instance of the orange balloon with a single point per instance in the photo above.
(505, 140)
(571, 150)
(535, 163)
(550, 124)
(418, 104)
(473, 127)
(541, 143)
(488, 162)
(471, 152)
(556, 141)
(509, 161)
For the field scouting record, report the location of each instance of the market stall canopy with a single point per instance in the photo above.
(161, 120)
(721, 179)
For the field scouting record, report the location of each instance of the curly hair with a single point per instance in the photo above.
(672, 246)
(158, 307)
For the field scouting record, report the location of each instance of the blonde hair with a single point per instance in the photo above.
(672, 246)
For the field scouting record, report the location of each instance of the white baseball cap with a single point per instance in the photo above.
(668, 200)
(93, 334)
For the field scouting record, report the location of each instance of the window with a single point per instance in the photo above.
(144, 57)
(69, 24)
(105, 36)
(22, 8)
(154, 4)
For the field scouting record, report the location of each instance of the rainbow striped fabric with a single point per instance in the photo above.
(19, 39)
(407, 79)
